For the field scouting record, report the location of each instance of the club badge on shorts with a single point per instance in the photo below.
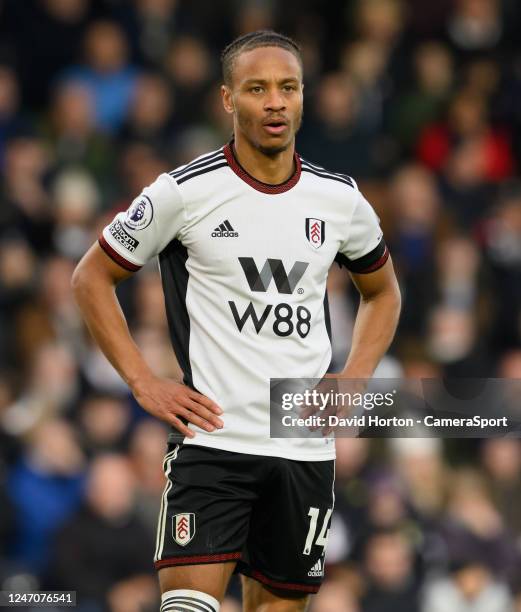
(315, 232)
(183, 527)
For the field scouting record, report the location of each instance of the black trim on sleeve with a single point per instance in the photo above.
(115, 256)
(370, 262)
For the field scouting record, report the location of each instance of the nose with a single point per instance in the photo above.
(274, 101)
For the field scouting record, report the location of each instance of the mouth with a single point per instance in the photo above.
(275, 126)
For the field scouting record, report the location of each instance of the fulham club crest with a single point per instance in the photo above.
(315, 232)
(183, 527)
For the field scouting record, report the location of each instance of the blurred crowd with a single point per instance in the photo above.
(420, 102)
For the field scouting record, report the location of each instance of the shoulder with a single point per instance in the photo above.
(322, 174)
(194, 172)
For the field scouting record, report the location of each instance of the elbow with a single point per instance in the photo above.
(395, 300)
(388, 299)
(398, 298)
(78, 281)
(89, 278)
(390, 295)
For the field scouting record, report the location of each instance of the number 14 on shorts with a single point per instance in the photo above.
(321, 540)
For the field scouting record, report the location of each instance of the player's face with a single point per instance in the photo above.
(266, 98)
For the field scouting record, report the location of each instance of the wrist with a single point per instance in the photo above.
(137, 382)
(354, 372)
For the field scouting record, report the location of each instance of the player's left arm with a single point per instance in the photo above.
(376, 320)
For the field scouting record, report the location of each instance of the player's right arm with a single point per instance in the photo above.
(94, 286)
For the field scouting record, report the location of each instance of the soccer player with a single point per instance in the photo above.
(245, 237)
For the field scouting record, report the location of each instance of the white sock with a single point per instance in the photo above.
(186, 600)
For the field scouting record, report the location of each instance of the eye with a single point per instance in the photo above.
(289, 87)
(256, 89)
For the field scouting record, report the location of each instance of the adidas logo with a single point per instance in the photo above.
(225, 230)
(317, 570)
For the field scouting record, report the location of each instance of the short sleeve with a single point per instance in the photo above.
(153, 219)
(364, 249)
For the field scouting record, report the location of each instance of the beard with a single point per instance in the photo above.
(272, 151)
(246, 126)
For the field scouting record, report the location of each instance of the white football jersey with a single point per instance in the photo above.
(244, 267)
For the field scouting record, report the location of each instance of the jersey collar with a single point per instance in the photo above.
(253, 182)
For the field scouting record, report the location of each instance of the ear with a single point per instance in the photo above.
(226, 94)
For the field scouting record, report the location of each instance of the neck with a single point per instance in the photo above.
(271, 169)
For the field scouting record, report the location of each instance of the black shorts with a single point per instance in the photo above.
(268, 514)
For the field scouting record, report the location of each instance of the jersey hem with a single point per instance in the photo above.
(330, 455)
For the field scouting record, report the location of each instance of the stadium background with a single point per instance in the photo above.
(419, 101)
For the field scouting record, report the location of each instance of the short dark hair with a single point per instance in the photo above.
(253, 40)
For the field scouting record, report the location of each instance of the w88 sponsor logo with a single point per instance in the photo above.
(287, 319)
